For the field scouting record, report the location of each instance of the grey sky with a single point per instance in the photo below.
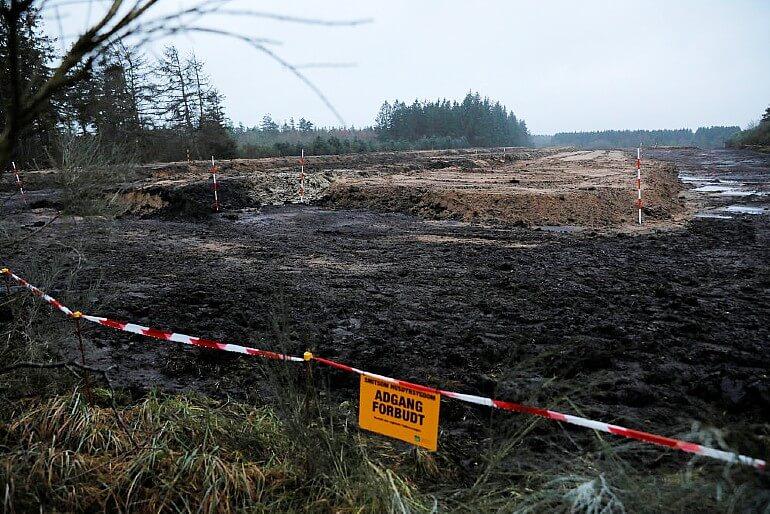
(561, 65)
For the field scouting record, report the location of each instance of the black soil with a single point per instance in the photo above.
(652, 331)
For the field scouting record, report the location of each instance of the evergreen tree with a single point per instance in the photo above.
(116, 117)
(176, 91)
(476, 121)
(305, 126)
(35, 52)
(214, 136)
(268, 125)
(757, 137)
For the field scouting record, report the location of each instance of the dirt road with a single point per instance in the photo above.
(652, 330)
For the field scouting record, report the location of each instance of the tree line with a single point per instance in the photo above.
(703, 137)
(757, 136)
(472, 122)
(423, 125)
(151, 110)
(167, 108)
(270, 139)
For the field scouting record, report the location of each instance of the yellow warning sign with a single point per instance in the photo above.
(400, 412)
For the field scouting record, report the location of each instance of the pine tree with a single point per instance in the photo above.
(268, 125)
(116, 117)
(35, 52)
(200, 88)
(214, 137)
(176, 90)
(305, 125)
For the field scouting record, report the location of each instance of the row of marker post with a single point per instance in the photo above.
(215, 183)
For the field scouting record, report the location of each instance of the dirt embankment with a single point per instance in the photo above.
(512, 185)
(182, 189)
(575, 188)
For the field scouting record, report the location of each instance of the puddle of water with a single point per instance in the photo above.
(565, 229)
(745, 209)
(735, 192)
(707, 215)
(712, 189)
(720, 187)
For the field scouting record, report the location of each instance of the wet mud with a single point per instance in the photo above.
(652, 330)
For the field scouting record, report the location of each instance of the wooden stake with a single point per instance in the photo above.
(86, 376)
(18, 183)
(215, 185)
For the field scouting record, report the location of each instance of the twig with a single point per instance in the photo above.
(71, 366)
(37, 230)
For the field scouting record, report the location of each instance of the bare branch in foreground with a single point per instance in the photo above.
(122, 20)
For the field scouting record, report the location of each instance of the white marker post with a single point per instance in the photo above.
(215, 185)
(18, 183)
(639, 182)
(302, 177)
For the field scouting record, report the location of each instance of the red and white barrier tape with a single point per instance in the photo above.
(151, 332)
(185, 339)
(53, 302)
(646, 437)
(566, 418)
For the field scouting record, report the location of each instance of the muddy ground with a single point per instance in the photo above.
(650, 329)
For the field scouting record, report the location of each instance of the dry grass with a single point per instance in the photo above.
(192, 455)
(90, 175)
(195, 454)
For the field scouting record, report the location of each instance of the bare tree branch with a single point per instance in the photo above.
(123, 20)
(326, 65)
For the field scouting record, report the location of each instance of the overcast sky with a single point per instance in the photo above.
(560, 65)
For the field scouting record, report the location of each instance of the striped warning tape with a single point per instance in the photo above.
(53, 302)
(147, 331)
(185, 339)
(566, 418)
(646, 437)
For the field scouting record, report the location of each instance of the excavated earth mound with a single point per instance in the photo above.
(520, 186)
(574, 188)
